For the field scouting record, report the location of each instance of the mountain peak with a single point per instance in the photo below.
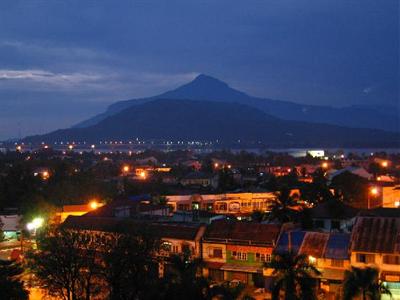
(208, 80)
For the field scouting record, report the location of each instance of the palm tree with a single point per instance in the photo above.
(364, 282)
(182, 278)
(283, 208)
(11, 286)
(294, 275)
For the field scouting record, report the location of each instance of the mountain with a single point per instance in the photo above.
(189, 120)
(205, 87)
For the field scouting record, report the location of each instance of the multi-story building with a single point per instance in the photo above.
(238, 251)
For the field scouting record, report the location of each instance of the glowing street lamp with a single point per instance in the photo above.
(143, 175)
(70, 147)
(374, 191)
(384, 164)
(35, 224)
(125, 169)
(325, 165)
(216, 165)
(94, 204)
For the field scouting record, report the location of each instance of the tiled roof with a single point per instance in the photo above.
(376, 234)
(107, 224)
(314, 244)
(296, 238)
(242, 232)
(338, 246)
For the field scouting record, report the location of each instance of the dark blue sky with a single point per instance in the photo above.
(62, 61)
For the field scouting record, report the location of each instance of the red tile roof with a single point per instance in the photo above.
(376, 234)
(242, 233)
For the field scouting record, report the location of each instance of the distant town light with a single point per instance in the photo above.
(93, 146)
(325, 165)
(384, 164)
(70, 147)
(143, 175)
(397, 204)
(216, 165)
(125, 169)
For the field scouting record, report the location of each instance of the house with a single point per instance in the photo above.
(333, 215)
(351, 169)
(329, 252)
(238, 251)
(375, 242)
(175, 238)
(10, 223)
(199, 179)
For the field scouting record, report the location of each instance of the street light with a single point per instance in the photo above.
(384, 164)
(125, 169)
(35, 224)
(94, 204)
(325, 165)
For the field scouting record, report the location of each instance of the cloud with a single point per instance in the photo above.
(112, 82)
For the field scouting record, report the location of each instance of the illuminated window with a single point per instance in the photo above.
(237, 255)
(261, 257)
(365, 258)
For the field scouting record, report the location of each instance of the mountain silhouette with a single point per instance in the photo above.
(229, 123)
(207, 88)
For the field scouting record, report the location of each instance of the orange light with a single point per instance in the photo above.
(143, 175)
(19, 148)
(45, 175)
(216, 165)
(384, 164)
(325, 165)
(374, 191)
(125, 169)
(229, 166)
(70, 147)
(94, 205)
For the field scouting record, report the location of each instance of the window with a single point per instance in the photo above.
(337, 263)
(237, 255)
(175, 249)
(391, 259)
(365, 258)
(261, 257)
(166, 246)
(215, 252)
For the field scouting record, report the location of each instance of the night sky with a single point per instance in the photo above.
(63, 61)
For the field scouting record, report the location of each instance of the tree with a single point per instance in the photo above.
(65, 264)
(130, 267)
(283, 208)
(182, 278)
(11, 286)
(293, 276)
(363, 282)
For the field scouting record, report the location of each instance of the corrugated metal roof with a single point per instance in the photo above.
(338, 246)
(296, 241)
(374, 234)
(314, 244)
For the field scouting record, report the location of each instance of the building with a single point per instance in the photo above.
(375, 243)
(199, 179)
(238, 251)
(229, 203)
(333, 215)
(391, 196)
